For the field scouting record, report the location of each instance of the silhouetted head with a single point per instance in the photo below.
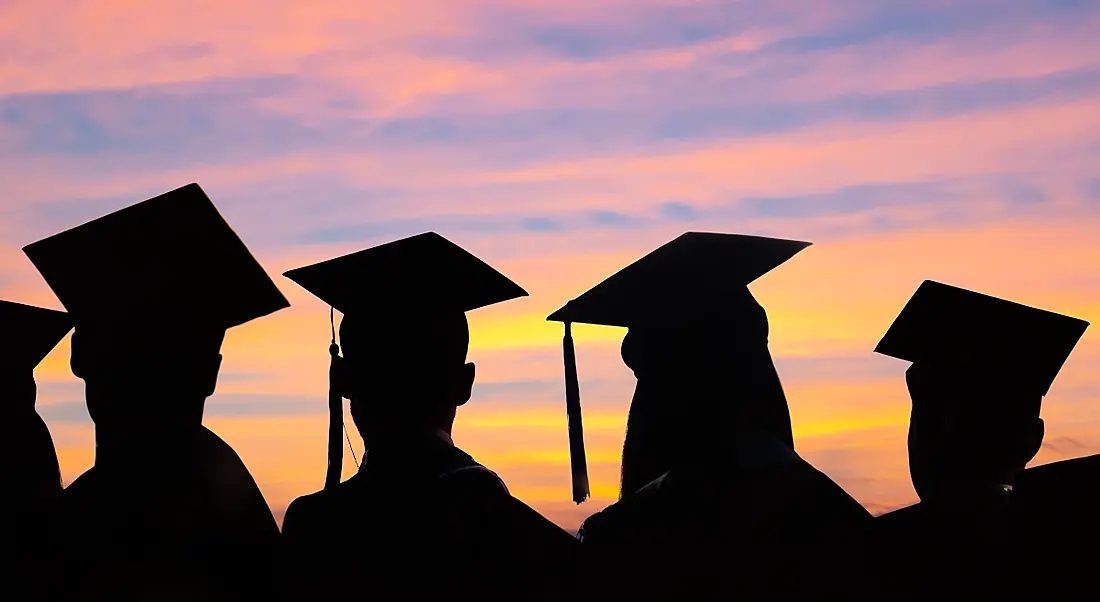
(968, 432)
(404, 376)
(152, 288)
(699, 386)
(404, 334)
(980, 368)
(143, 374)
(697, 343)
(30, 333)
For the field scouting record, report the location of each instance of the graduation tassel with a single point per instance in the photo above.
(335, 415)
(577, 461)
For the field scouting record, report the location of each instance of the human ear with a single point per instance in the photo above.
(464, 384)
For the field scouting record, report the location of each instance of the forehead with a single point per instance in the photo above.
(156, 333)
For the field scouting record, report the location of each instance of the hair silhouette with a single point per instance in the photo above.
(709, 460)
(722, 372)
(30, 473)
(31, 480)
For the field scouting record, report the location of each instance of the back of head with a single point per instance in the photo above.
(699, 386)
(145, 368)
(969, 428)
(153, 287)
(405, 373)
(404, 333)
(692, 320)
(980, 368)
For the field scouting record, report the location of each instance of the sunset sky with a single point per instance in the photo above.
(559, 140)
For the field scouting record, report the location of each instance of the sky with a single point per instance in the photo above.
(559, 140)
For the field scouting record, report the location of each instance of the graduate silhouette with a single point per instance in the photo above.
(980, 368)
(31, 475)
(715, 502)
(168, 511)
(420, 517)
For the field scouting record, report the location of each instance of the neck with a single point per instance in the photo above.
(410, 434)
(149, 443)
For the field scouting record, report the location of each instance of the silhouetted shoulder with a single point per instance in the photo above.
(842, 504)
(476, 504)
(901, 515)
(473, 479)
(695, 511)
(82, 485)
(1056, 508)
(305, 514)
(623, 516)
(304, 507)
(230, 469)
(800, 486)
(895, 537)
(1078, 476)
(1060, 499)
(528, 556)
(229, 479)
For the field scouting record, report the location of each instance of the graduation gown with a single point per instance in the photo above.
(1055, 528)
(766, 527)
(32, 489)
(189, 524)
(925, 552)
(1034, 543)
(421, 519)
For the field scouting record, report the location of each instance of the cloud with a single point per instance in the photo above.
(864, 367)
(855, 199)
(221, 120)
(541, 224)
(64, 411)
(265, 404)
(1092, 189)
(1025, 194)
(614, 219)
(235, 377)
(1067, 447)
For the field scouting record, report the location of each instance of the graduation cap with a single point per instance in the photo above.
(172, 255)
(30, 333)
(947, 325)
(697, 276)
(421, 276)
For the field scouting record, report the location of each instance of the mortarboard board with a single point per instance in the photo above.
(698, 275)
(172, 254)
(951, 325)
(421, 273)
(30, 333)
(415, 276)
